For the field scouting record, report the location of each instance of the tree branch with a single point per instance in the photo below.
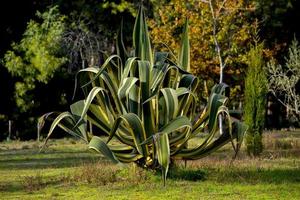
(218, 49)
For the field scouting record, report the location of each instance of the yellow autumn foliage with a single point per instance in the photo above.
(234, 31)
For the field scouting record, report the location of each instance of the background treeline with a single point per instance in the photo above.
(44, 43)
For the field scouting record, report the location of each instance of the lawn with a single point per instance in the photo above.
(66, 169)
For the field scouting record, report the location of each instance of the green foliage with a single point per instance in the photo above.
(144, 107)
(254, 143)
(255, 99)
(119, 7)
(36, 57)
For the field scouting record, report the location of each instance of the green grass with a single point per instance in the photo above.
(67, 170)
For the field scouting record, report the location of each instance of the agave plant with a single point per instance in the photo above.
(142, 108)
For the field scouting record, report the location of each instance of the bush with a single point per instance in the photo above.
(144, 106)
(255, 100)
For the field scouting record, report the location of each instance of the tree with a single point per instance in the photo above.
(255, 99)
(37, 56)
(91, 29)
(82, 45)
(283, 81)
(86, 21)
(278, 22)
(229, 27)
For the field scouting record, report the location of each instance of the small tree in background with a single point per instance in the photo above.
(37, 56)
(255, 99)
(283, 81)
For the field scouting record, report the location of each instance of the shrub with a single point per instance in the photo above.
(255, 100)
(284, 82)
(36, 58)
(145, 109)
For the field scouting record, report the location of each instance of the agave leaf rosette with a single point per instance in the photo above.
(143, 108)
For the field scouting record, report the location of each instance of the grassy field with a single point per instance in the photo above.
(67, 170)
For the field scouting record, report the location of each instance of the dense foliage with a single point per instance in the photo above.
(255, 99)
(233, 31)
(83, 23)
(36, 57)
(277, 22)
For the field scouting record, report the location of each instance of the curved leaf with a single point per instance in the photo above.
(101, 147)
(68, 126)
(136, 130)
(102, 68)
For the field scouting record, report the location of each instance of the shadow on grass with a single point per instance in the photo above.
(254, 176)
(40, 163)
(30, 152)
(14, 160)
(231, 175)
(187, 174)
(34, 183)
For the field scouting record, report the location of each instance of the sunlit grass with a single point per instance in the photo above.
(68, 170)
